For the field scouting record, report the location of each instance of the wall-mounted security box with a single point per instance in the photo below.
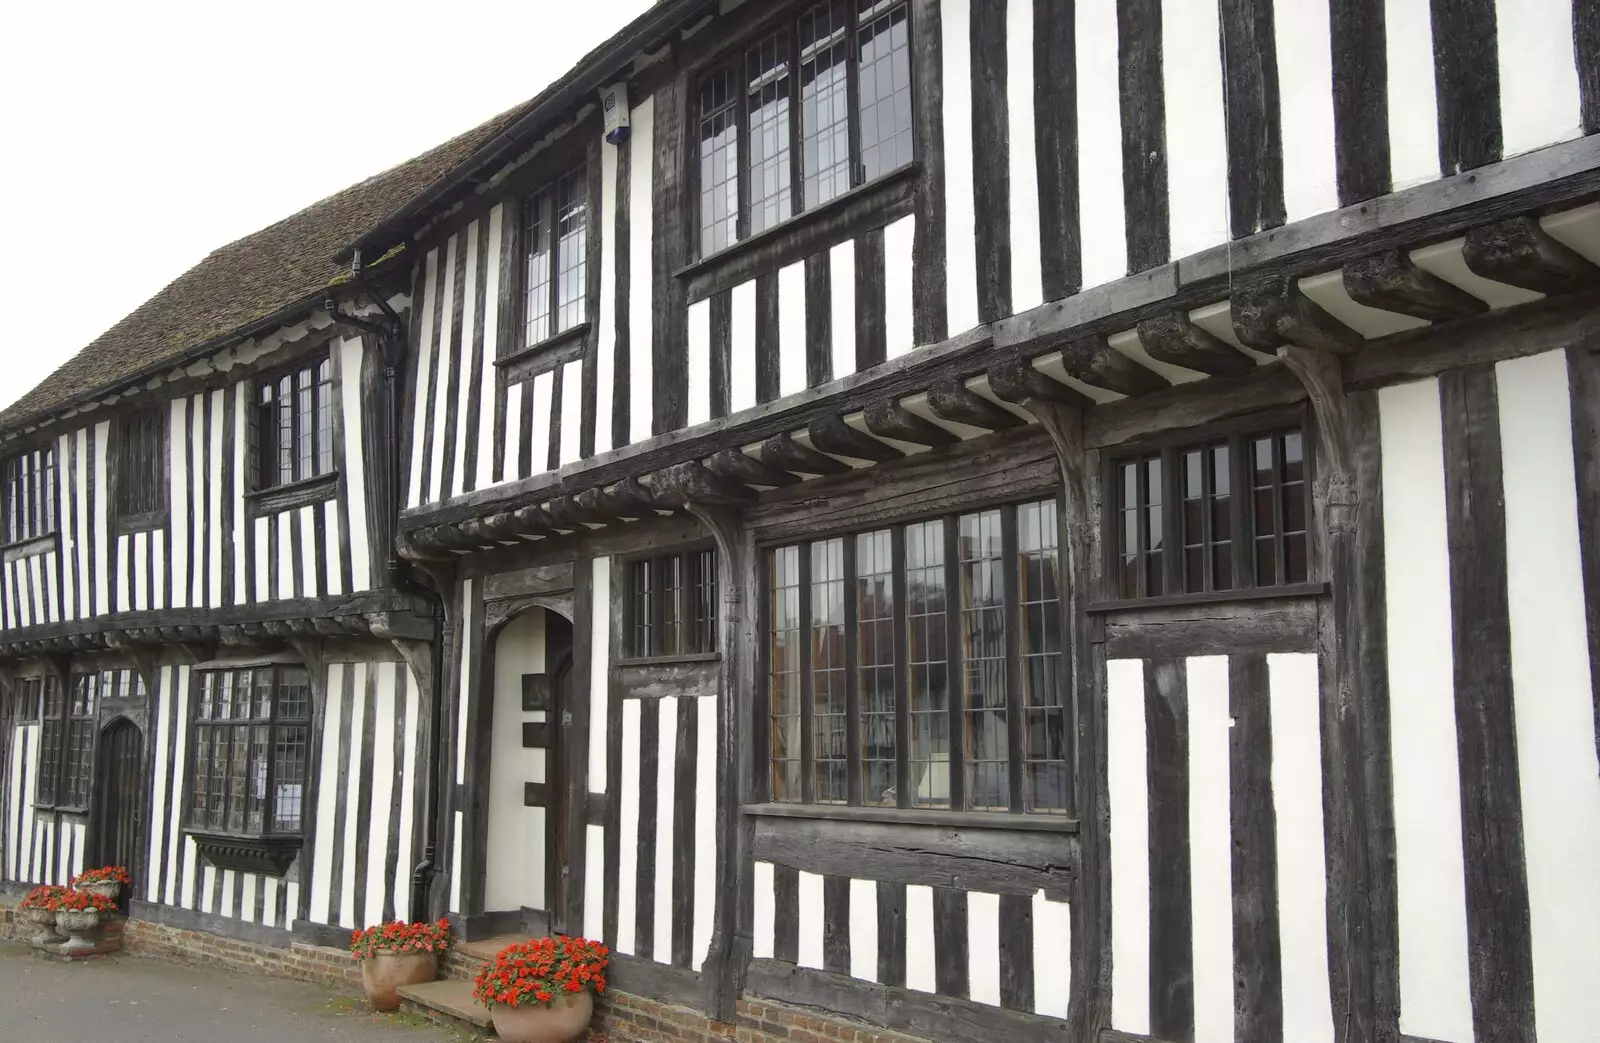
(614, 103)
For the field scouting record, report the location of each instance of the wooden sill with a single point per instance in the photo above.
(278, 498)
(548, 345)
(128, 524)
(1002, 820)
(268, 854)
(31, 547)
(1212, 597)
(669, 660)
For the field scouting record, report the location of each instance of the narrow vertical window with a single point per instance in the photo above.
(986, 753)
(324, 424)
(825, 101)
(1207, 520)
(829, 692)
(572, 251)
(29, 495)
(927, 665)
(1043, 698)
(1278, 495)
(291, 426)
(767, 107)
(1139, 534)
(719, 163)
(141, 478)
(784, 652)
(537, 278)
(875, 654)
(884, 60)
(555, 259)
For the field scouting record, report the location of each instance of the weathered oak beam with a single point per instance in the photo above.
(1269, 313)
(889, 419)
(1098, 364)
(1015, 380)
(1173, 339)
(783, 451)
(739, 466)
(832, 435)
(1521, 253)
(692, 483)
(1391, 282)
(954, 401)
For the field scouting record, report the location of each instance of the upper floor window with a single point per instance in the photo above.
(251, 741)
(920, 665)
(555, 228)
(27, 489)
(141, 464)
(1222, 515)
(801, 116)
(291, 426)
(671, 606)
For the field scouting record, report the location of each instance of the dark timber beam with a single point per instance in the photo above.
(1523, 254)
(1098, 364)
(1016, 381)
(1271, 312)
(692, 483)
(534, 519)
(739, 466)
(1173, 339)
(1391, 282)
(889, 419)
(832, 435)
(954, 401)
(783, 451)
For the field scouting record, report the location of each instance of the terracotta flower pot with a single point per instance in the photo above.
(383, 974)
(45, 921)
(78, 925)
(561, 1022)
(110, 888)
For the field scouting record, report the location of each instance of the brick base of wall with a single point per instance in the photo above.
(619, 1017)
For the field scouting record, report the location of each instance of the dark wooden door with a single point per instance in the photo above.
(119, 797)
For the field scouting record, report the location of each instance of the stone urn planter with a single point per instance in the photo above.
(45, 922)
(109, 888)
(396, 954)
(562, 1021)
(79, 925)
(106, 881)
(383, 974)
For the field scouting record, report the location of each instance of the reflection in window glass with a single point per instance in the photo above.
(829, 711)
(983, 657)
(767, 98)
(719, 163)
(885, 103)
(784, 652)
(1043, 700)
(825, 101)
(875, 655)
(927, 665)
(1207, 520)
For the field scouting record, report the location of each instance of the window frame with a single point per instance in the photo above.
(226, 727)
(567, 165)
(1170, 446)
(957, 811)
(67, 760)
(42, 517)
(134, 476)
(732, 60)
(709, 643)
(319, 484)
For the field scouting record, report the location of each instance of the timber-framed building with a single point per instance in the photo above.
(997, 520)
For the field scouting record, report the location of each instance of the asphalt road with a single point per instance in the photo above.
(126, 999)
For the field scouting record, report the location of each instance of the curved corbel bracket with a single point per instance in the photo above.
(419, 657)
(310, 650)
(1323, 378)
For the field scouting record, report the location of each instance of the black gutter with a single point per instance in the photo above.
(598, 69)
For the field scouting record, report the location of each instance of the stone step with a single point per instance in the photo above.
(484, 950)
(448, 1001)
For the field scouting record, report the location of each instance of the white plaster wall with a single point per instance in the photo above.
(516, 832)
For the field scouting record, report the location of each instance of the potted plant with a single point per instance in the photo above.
(541, 991)
(107, 880)
(78, 913)
(396, 953)
(36, 908)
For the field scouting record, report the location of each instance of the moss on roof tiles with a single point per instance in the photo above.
(254, 277)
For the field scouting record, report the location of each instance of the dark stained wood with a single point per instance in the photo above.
(950, 959)
(891, 933)
(445, 432)
(738, 465)
(1255, 138)
(1466, 72)
(1288, 625)
(786, 913)
(1166, 710)
(991, 171)
(665, 983)
(474, 347)
(1583, 369)
(1586, 35)
(872, 334)
(692, 483)
(670, 213)
(1523, 254)
(767, 340)
(1098, 364)
(954, 401)
(819, 319)
(833, 435)
(1360, 99)
(1499, 960)
(1258, 977)
(684, 800)
(1173, 339)
(644, 933)
(1144, 132)
(836, 924)
(1016, 953)
(1390, 281)
(888, 419)
(784, 452)
(721, 351)
(929, 279)
(1055, 112)
(1018, 382)
(1268, 313)
(622, 307)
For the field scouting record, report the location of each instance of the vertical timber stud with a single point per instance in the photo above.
(1361, 927)
(444, 763)
(729, 955)
(1089, 1005)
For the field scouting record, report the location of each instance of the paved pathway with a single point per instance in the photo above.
(131, 1000)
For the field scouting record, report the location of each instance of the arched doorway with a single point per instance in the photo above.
(119, 797)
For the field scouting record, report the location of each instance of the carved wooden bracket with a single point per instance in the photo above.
(500, 611)
(419, 657)
(310, 651)
(1323, 378)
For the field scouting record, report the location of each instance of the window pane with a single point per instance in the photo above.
(1292, 477)
(572, 219)
(885, 99)
(927, 686)
(288, 772)
(303, 424)
(983, 657)
(1221, 519)
(829, 712)
(719, 163)
(238, 777)
(285, 438)
(324, 418)
(1043, 701)
(1264, 508)
(825, 101)
(536, 316)
(767, 99)
(875, 658)
(784, 649)
(669, 570)
(293, 694)
(256, 804)
(703, 601)
(643, 608)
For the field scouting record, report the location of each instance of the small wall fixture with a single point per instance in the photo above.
(614, 103)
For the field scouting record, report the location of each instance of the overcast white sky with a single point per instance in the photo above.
(140, 136)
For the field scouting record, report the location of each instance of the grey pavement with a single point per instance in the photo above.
(128, 999)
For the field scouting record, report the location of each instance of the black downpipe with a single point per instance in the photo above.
(402, 575)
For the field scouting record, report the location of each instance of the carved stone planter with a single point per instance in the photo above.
(110, 888)
(80, 927)
(561, 1022)
(45, 921)
(383, 975)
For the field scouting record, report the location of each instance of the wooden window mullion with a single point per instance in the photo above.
(1280, 517)
(1171, 524)
(955, 685)
(269, 800)
(902, 657)
(1067, 674)
(797, 177)
(852, 678)
(1141, 527)
(762, 759)
(807, 745)
(1244, 546)
(742, 122)
(852, 80)
(1010, 566)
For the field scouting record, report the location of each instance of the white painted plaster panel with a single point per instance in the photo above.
(864, 929)
(1130, 846)
(665, 793)
(1413, 104)
(628, 828)
(960, 221)
(791, 329)
(441, 399)
(355, 472)
(424, 350)
(842, 299)
(491, 348)
(605, 356)
(469, 315)
(705, 829)
(641, 227)
(571, 412)
(899, 239)
(763, 930)
(1027, 274)
(1305, 101)
(983, 947)
(1210, 854)
(920, 964)
(699, 399)
(1539, 100)
(1101, 234)
(811, 916)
